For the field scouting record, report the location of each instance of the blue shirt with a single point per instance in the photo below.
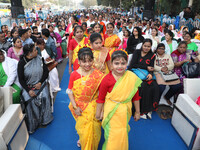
(27, 41)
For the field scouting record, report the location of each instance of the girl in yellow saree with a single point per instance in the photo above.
(112, 41)
(101, 54)
(83, 93)
(78, 41)
(118, 89)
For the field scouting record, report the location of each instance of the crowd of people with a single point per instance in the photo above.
(116, 65)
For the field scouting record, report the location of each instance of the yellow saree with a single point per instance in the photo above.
(112, 42)
(85, 94)
(75, 52)
(99, 60)
(117, 112)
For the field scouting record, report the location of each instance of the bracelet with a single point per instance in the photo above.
(138, 113)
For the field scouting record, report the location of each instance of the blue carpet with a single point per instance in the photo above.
(152, 134)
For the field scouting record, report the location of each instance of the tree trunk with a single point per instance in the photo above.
(190, 3)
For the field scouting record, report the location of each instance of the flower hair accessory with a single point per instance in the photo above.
(121, 50)
(84, 46)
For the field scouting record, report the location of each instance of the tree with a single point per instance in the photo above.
(88, 3)
(126, 4)
(28, 3)
(196, 6)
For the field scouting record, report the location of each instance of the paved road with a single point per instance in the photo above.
(61, 69)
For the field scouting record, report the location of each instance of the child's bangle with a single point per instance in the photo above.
(137, 113)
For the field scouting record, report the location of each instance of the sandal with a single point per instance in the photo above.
(149, 116)
(143, 116)
(78, 143)
(163, 114)
(168, 101)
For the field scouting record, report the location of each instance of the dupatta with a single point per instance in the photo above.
(85, 90)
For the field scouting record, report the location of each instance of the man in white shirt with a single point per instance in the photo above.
(181, 14)
(91, 20)
(117, 28)
(130, 26)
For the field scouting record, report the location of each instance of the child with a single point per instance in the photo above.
(83, 93)
(112, 41)
(117, 90)
(97, 29)
(90, 31)
(101, 54)
(78, 41)
(125, 39)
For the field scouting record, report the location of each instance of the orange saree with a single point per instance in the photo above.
(85, 92)
(112, 42)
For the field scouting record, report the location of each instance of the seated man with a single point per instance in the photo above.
(8, 75)
(4, 44)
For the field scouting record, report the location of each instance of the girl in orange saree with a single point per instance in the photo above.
(117, 91)
(101, 54)
(112, 41)
(74, 46)
(83, 93)
(97, 29)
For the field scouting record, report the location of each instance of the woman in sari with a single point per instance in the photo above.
(17, 50)
(83, 93)
(115, 103)
(33, 73)
(8, 75)
(191, 46)
(64, 43)
(180, 57)
(112, 41)
(78, 41)
(58, 41)
(69, 29)
(126, 35)
(101, 54)
(84, 25)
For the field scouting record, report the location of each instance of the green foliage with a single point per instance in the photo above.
(88, 3)
(28, 3)
(112, 3)
(172, 7)
(196, 6)
(98, 2)
(126, 4)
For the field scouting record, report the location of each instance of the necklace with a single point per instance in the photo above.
(98, 64)
(82, 81)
